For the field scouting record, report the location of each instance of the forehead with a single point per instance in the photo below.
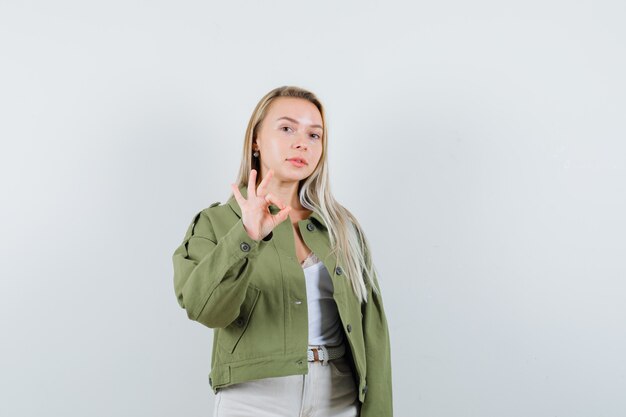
(299, 109)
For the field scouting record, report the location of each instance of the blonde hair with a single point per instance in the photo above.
(347, 238)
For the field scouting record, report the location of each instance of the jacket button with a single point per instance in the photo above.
(338, 270)
(349, 328)
(297, 302)
(364, 389)
(244, 247)
(310, 227)
(239, 321)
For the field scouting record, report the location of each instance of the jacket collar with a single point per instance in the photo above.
(232, 202)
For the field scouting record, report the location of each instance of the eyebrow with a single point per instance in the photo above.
(296, 122)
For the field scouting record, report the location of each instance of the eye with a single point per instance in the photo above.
(315, 134)
(285, 127)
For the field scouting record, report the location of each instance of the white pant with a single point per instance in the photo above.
(329, 389)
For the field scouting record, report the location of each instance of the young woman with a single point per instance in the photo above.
(283, 274)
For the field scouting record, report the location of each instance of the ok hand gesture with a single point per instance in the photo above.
(257, 219)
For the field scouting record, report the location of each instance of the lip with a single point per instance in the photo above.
(296, 163)
(297, 159)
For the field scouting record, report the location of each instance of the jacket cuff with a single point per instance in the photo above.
(242, 244)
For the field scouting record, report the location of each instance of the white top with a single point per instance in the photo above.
(324, 322)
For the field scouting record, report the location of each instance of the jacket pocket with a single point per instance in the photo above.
(230, 335)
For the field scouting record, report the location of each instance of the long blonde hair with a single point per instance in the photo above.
(347, 238)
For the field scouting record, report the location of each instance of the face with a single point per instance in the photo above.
(292, 128)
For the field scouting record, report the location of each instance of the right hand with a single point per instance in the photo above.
(257, 219)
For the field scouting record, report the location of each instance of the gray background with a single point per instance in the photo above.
(490, 180)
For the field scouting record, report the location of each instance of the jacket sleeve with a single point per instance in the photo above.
(210, 275)
(378, 398)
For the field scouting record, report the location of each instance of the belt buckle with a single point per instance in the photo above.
(316, 357)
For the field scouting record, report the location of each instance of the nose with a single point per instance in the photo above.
(300, 141)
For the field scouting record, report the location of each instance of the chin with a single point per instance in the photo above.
(293, 177)
(288, 173)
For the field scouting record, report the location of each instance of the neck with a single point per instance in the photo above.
(287, 192)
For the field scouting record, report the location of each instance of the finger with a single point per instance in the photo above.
(264, 183)
(237, 195)
(252, 183)
(270, 198)
(282, 215)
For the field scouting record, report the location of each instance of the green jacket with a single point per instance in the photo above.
(253, 294)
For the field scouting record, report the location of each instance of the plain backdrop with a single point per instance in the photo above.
(480, 144)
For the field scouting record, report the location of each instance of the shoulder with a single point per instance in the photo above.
(218, 217)
(201, 221)
(204, 212)
(211, 206)
(211, 209)
(218, 211)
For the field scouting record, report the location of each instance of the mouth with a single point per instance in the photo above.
(298, 160)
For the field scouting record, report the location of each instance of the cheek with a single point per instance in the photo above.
(317, 158)
(276, 149)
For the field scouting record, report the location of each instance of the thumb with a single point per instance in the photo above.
(282, 214)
